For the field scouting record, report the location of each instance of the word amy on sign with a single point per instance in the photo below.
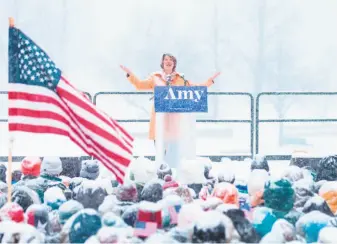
(180, 99)
(193, 95)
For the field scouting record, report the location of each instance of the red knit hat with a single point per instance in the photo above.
(12, 211)
(31, 166)
(169, 183)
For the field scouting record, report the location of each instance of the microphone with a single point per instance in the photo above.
(168, 79)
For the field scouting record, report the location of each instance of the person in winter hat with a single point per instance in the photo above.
(244, 228)
(31, 167)
(71, 167)
(90, 194)
(328, 191)
(212, 228)
(327, 169)
(81, 226)
(169, 183)
(12, 232)
(226, 177)
(127, 192)
(279, 195)
(13, 212)
(226, 192)
(293, 173)
(112, 220)
(3, 170)
(317, 203)
(310, 224)
(25, 197)
(109, 205)
(126, 195)
(259, 162)
(68, 209)
(281, 232)
(255, 185)
(130, 215)
(182, 191)
(163, 170)
(54, 198)
(37, 216)
(51, 167)
(263, 220)
(16, 176)
(90, 169)
(141, 171)
(152, 192)
(304, 190)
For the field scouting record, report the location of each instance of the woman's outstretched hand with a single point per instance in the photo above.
(215, 75)
(125, 69)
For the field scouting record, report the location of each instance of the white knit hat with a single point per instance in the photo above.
(51, 166)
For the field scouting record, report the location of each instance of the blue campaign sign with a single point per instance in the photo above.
(180, 99)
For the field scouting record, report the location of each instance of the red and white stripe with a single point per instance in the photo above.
(69, 113)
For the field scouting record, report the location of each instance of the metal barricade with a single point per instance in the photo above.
(258, 120)
(212, 157)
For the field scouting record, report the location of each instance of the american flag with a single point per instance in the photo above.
(174, 211)
(42, 100)
(145, 229)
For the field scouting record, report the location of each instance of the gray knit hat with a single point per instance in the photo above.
(51, 166)
(90, 169)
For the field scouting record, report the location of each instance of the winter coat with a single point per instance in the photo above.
(43, 182)
(156, 79)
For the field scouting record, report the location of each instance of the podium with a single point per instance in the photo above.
(175, 121)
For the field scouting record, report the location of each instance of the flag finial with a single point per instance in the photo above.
(11, 22)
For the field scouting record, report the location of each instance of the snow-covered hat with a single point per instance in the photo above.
(90, 169)
(257, 180)
(191, 172)
(51, 166)
(31, 166)
(143, 170)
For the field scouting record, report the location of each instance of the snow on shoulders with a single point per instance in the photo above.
(150, 206)
(315, 200)
(312, 217)
(54, 194)
(70, 206)
(225, 207)
(327, 235)
(172, 200)
(328, 186)
(90, 184)
(209, 220)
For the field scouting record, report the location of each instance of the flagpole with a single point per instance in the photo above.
(10, 150)
(9, 169)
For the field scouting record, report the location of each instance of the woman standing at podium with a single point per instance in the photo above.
(166, 77)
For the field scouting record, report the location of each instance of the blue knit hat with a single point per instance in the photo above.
(263, 220)
(310, 224)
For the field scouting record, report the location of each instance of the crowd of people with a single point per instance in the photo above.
(79, 202)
